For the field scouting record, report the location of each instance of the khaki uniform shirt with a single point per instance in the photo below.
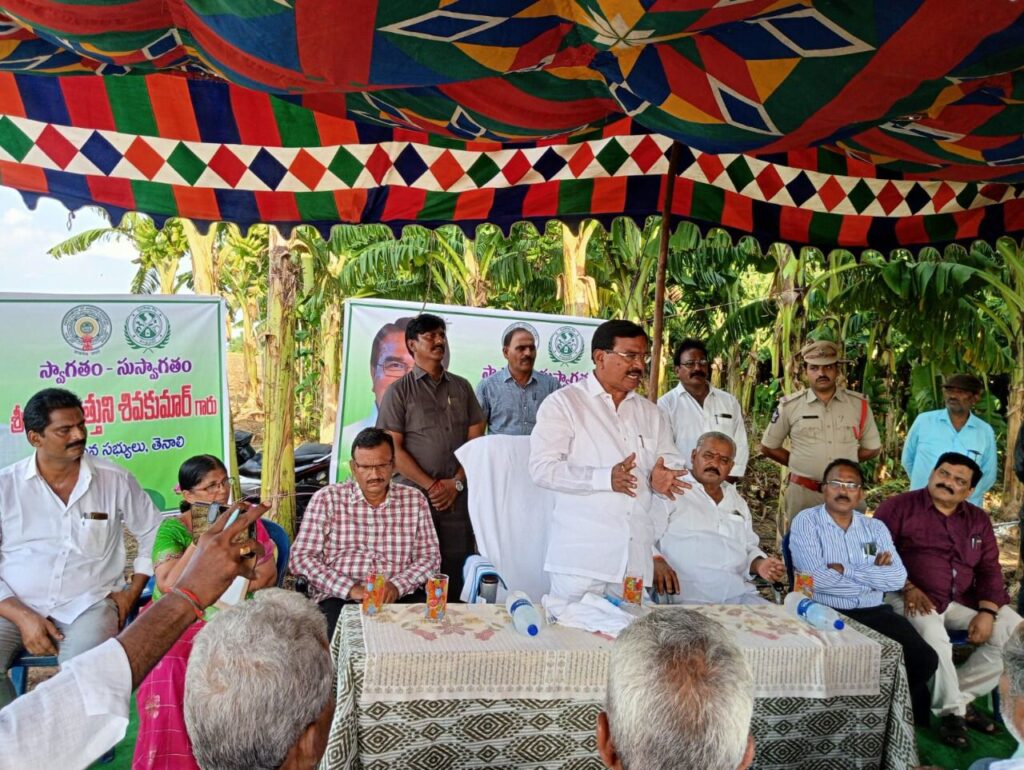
(433, 418)
(819, 433)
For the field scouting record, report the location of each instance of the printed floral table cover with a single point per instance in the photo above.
(390, 715)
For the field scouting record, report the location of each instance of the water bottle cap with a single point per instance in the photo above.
(840, 625)
(532, 629)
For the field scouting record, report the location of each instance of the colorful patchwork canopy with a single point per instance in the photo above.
(867, 122)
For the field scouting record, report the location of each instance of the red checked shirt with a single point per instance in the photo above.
(343, 539)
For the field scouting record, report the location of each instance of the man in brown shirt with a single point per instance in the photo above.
(430, 413)
(823, 422)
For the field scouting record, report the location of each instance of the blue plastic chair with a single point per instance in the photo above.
(283, 545)
(787, 559)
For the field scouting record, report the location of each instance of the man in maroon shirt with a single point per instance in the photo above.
(953, 582)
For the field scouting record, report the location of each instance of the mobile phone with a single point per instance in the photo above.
(203, 515)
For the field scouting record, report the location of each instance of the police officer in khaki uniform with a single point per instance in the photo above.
(822, 423)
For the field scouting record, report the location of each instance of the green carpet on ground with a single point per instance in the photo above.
(124, 751)
(934, 752)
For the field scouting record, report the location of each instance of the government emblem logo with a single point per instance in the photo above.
(566, 345)
(146, 328)
(86, 328)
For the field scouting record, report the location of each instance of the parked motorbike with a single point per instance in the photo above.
(312, 471)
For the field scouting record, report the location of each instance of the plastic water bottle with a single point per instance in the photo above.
(818, 615)
(525, 617)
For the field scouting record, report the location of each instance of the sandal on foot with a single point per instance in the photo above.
(978, 721)
(953, 731)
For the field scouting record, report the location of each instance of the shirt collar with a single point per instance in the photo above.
(32, 469)
(356, 495)
(971, 418)
(419, 373)
(684, 393)
(812, 396)
(506, 375)
(858, 517)
(595, 388)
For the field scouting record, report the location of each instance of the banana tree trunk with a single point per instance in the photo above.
(168, 277)
(278, 481)
(204, 263)
(1012, 490)
(576, 289)
(253, 404)
(330, 378)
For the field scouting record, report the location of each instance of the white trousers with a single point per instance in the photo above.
(954, 688)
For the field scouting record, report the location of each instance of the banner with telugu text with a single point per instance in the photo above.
(150, 370)
(374, 354)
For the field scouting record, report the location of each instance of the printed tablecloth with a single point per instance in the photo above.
(406, 699)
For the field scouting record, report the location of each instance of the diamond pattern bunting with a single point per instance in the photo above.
(416, 163)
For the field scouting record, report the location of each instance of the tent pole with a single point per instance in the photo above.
(659, 287)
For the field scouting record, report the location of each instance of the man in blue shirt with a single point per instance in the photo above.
(853, 561)
(511, 396)
(953, 429)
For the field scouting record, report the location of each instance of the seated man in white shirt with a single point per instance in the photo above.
(710, 552)
(853, 560)
(62, 515)
(70, 718)
(606, 453)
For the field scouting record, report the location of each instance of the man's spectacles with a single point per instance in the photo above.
(393, 368)
(837, 484)
(633, 358)
(379, 467)
(702, 362)
(215, 485)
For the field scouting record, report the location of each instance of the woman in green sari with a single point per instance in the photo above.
(202, 479)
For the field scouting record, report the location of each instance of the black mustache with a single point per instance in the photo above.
(843, 498)
(636, 372)
(75, 444)
(943, 486)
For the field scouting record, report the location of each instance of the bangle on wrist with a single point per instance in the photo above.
(192, 599)
(989, 610)
(436, 482)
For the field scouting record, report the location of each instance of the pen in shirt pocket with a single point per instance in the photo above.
(975, 541)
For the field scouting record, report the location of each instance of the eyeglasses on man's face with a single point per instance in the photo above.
(633, 358)
(837, 484)
(701, 362)
(382, 467)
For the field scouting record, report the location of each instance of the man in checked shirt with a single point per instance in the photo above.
(364, 525)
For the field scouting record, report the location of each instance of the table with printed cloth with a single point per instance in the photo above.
(472, 693)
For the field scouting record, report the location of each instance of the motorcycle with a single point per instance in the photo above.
(312, 471)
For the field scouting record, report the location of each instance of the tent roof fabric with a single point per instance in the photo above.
(839, 123)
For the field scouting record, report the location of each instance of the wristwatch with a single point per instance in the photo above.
(459, 486)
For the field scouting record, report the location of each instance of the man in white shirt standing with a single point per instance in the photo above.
(710, 545)
(606, 452)
(61, 546)
(694, 407)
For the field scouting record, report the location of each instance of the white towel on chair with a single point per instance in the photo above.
(509, 512)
